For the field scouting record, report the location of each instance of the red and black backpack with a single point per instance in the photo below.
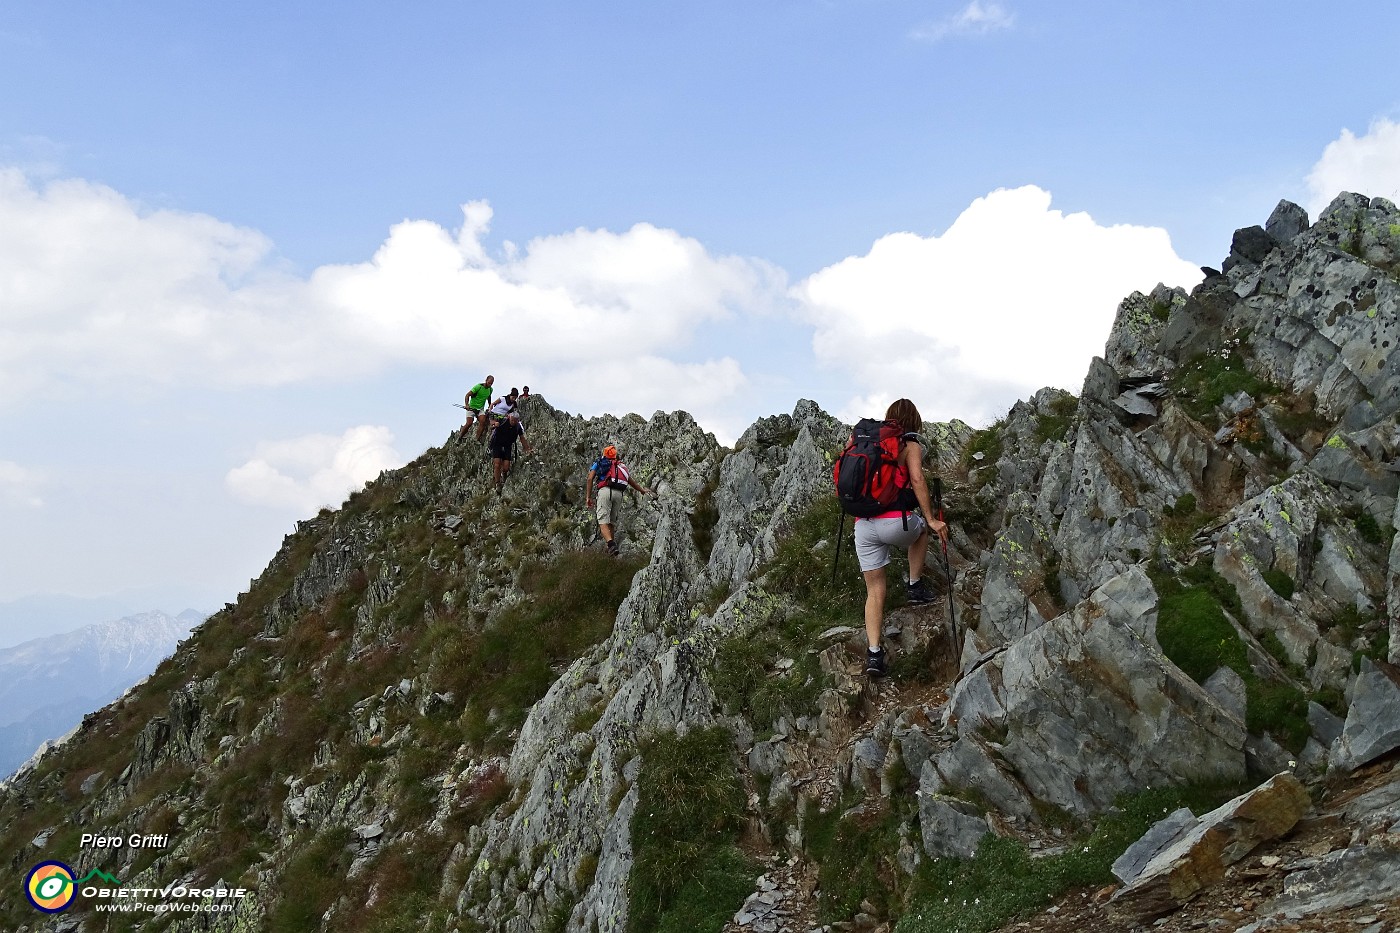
(606, 472)
(868, 477)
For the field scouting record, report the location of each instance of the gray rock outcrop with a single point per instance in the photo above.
(1237, 444)
(1087, 707)
(1199, 856)
(1372, 725)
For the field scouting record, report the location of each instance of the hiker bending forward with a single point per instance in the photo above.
(610, 478)
(502, 445)
(901, 527)
(499, 412)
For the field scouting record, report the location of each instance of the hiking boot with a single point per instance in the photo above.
(875, 665)
(613, 549)
(919, 592)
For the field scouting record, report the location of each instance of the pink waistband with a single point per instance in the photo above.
(895, 514)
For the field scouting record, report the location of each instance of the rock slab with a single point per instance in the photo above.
(1222, 837)
(1373, 719)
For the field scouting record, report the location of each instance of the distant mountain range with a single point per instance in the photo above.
(41, 614)
(48, 684)
(32, 617)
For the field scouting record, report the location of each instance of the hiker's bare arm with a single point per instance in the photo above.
(641, 489)
(914, 464)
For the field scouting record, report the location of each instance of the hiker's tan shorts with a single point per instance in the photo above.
(875, 535)
(609, 505)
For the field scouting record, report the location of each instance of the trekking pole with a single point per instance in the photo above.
(840, 533)
(947, 565)
(617, 529)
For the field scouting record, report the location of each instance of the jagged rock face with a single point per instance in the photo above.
(1087, 707)
(1283, 530)
(1281, 484)
(952, 828)
(777, 465)
(1132, 348)
(435, 520)
(1204, 848)
(1372, 725)
(1328, 305)
(1310, 310)
(649, 675)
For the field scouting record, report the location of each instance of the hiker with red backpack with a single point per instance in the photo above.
(880, 480)
(610, 478)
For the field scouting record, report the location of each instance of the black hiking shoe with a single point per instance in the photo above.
(875, 662)
(613, 549)
(919, 592)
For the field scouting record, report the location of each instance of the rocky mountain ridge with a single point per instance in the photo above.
(441, 708)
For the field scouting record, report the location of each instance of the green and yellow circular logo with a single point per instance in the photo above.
(50, 887)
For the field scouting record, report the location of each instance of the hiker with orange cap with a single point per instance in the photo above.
(610, 478)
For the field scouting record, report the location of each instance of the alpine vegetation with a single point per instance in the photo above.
(639, 691)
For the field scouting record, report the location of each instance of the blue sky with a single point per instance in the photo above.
(251, 253)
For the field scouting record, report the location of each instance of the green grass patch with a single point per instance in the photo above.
(1195, 634)
(988, 442)
(1054, 425)
(1278, 708)
(408, 913)
(746, 683)
(803, 571)
(1369, 529)
(802, 601)
(406, 876)
(687, 873)
(1181, 522)
(571, 605)
(1279, 581)
(856, 853)
(1203, 383)
(704, 516)
(311, 882)
(1003, 883)
(1202, 574)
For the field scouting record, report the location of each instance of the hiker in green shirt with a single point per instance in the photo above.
(478, 401)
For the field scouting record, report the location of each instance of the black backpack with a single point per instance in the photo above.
(867, 475)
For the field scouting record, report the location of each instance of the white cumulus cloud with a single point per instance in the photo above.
(99, 290)
(19, 486)
(1368, 164)
(1012, 297)
(975, 19)
(306, 473)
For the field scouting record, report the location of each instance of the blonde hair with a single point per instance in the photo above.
(903, 411)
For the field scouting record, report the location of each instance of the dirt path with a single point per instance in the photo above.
(785, 901)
